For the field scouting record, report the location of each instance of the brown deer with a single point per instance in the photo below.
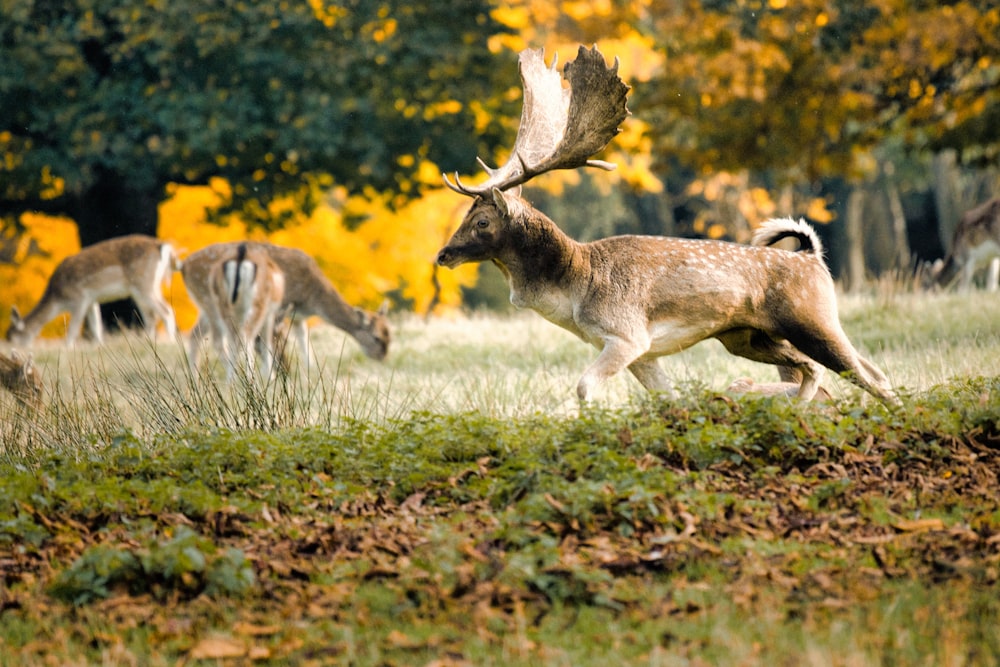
(238, 295)
(976, 242)
(19, 376)
(308, 292)
(133, 266)
(636, 298)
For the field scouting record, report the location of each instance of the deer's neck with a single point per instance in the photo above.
(43, 313)
(540, 264)
(327, 303)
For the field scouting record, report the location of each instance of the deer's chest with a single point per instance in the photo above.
(553, 304)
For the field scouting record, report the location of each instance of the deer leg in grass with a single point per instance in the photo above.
(85, 311)
(650, 375)
(300, 329)
(616, 355)
(195, 339)
(758, 346)
(154, 309)
(836, 353)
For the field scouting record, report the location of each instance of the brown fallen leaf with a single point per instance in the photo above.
(253, 630)
(214, 648)
(918, 525)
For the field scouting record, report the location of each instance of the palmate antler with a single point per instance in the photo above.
(560, 127)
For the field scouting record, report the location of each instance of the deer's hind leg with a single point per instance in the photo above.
(758, 345)
(830, 347)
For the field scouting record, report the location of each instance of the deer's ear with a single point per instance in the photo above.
(384, 308)
(501, 202)
(509, 202)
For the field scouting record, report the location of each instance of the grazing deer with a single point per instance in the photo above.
(19, 376)
(976, 241)
(132, 266)
(308, 292)
(636, 298)
(239, 296)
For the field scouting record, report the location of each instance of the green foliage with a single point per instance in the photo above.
(185, 565)
(708, 527)
(276, 99)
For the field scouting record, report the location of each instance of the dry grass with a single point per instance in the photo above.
(498, 365)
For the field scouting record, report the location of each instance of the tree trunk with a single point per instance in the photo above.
(945, 195)
(112, 208)
(895, 203)
(854, 228)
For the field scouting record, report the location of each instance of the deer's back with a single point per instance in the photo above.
(664, 276)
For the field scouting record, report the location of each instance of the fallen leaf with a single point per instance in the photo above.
(216, 648)
(918, 525)
(253, 630)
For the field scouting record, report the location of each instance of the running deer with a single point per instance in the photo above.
(308, 292)
(976, 242)
(19, 376)
(238, 294)
(132, 266)
(636, 298)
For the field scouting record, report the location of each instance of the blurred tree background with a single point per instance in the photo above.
(325, 124)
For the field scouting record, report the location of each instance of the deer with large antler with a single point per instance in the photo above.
(637, 298)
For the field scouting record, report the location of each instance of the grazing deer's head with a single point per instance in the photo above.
(976, 241)
(19, 376)
(373, 332)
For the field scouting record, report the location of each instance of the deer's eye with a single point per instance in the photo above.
(483, 223)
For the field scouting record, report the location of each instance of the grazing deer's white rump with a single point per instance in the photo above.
(238, 295)
(637, 298)
(307, 292)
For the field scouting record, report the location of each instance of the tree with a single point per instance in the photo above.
(802, 87)
(106, 102)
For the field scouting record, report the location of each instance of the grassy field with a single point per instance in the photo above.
(454, 506)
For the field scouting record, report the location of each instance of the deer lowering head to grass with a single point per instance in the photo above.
(134, 266)
(976, 242)
(238, 296)
(19, 376)
(637, 298)
(308, 292)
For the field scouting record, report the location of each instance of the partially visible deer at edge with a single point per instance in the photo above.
(636, 298)
(238, 295)
(133, 266)
(308, 292)
(976, 242)
(20, 377)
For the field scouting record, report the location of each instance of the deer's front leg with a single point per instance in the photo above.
(651, 376)
(617, 354)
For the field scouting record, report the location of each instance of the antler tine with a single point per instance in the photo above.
(560, 127)
(457, 185)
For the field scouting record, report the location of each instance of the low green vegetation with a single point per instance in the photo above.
(460, 509)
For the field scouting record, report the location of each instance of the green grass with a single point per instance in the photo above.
(455, 506)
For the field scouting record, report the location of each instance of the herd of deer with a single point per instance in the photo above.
(634, 298)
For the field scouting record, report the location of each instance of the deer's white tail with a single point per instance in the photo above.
(772, 231)
(167, 265)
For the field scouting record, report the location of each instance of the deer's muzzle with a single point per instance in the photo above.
(448, 258)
